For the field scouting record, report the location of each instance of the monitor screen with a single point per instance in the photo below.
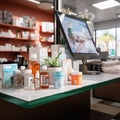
(78, 37)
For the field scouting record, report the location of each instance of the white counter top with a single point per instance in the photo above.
(31, 95)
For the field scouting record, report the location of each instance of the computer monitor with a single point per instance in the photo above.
(78, 38)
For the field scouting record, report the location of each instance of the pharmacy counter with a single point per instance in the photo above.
(53, 99)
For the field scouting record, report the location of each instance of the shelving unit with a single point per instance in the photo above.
(15, 41)
(20, 10)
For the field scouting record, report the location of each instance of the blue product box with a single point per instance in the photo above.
(8, 71)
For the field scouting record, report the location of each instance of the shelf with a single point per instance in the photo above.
(18, 39)
(46, 32)
(12, 51)
(47, 42)
(14, 26)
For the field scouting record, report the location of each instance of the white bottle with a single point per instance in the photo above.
(28, 79)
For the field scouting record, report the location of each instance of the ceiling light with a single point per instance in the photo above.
(106, 4)
(118, 15)
(46, 4)
(34, 1)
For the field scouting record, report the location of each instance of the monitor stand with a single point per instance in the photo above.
(86, 71)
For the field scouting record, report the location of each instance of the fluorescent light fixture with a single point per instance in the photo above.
(106, 4)
(34, 1)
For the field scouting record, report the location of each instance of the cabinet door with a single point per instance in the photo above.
(110, 92)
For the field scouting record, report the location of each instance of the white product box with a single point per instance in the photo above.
(55, 49)
(7, 71)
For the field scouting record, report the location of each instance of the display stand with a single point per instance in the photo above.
(85, 70)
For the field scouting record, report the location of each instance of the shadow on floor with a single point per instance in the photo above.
(95, 115)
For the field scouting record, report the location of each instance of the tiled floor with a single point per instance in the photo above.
(106, 107)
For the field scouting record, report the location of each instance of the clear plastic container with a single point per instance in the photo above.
(18, 79)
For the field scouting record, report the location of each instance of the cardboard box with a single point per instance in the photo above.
(7, 71)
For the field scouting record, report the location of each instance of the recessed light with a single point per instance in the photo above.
(118, 15)
(106, 4)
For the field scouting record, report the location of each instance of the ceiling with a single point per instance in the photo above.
(100, 15)
(80, 5)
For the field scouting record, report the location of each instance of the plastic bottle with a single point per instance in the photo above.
(28, 79)
(34, 65)
(44, 78)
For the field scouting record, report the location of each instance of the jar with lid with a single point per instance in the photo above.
(18, 79)
(44, 78)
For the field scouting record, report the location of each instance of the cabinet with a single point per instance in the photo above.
(109, 92)
(15, 40)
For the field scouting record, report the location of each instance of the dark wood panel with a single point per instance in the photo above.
(71, 107)
(108, 92)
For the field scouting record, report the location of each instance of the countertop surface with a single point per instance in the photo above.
(47, 95)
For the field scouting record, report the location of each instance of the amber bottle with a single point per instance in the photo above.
(44, 78)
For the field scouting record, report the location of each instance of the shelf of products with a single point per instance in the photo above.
(18, 27)
(16, 39)
(46, 32)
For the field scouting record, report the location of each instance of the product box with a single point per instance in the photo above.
(7, 71)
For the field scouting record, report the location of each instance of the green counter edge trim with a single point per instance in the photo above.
(45, 100)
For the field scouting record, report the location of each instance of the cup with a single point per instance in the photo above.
(58, 79)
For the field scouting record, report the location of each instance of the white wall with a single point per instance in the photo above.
(107, 24)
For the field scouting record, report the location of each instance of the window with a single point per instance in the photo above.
(118, 41)
(105, 40)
